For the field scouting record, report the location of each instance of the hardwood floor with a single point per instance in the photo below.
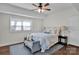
(4, 50)
(69, 50)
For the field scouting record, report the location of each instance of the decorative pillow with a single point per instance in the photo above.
(47, 32)
(29, 37)
(52, 30)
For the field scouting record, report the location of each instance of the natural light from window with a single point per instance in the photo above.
(20, 25)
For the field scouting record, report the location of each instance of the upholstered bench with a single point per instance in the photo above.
(35, 47)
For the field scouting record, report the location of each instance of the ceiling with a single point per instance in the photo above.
(27, 8)
(55, 7)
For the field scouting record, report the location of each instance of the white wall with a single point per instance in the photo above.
(7, 37)
(74, 30)
(63, 18)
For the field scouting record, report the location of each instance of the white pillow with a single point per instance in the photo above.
(47, 30)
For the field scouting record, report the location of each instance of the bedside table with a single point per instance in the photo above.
(60, 38)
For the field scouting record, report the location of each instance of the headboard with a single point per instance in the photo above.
(53, 30)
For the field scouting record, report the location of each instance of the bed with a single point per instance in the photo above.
(46, 40)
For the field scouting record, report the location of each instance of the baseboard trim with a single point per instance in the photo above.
(13, 44)
(73, 45)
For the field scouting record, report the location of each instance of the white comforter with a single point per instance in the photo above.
(46, 40)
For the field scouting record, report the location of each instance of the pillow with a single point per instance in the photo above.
(29, 37)
(53, 30)
(47, 32)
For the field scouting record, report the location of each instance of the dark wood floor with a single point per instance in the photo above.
(69, 50)
(4, 50)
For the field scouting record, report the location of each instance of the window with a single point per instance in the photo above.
(20, 25)
(26, 25)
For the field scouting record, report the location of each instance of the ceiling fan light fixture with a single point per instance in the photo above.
(40, 10)
(42, 7)
(43, 10)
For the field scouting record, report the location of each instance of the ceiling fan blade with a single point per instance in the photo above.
(46, 4)
(34, 5)
(48, 9)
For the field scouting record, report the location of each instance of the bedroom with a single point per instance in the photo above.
(60, 15)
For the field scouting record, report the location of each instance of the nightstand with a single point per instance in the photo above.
(60, 38)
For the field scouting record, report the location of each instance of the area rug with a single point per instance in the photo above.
(20, 49)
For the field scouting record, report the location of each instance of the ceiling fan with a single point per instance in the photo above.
(42, 7)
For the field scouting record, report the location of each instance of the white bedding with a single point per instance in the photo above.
(46, 40)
